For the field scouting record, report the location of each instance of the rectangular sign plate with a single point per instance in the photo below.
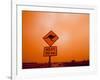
(50, 51)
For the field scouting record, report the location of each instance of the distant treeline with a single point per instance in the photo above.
(56, 64)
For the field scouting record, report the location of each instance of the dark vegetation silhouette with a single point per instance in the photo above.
(73, 63)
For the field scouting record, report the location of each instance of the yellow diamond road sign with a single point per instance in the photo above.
(50, 38)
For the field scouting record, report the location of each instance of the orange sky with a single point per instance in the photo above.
(72, 30)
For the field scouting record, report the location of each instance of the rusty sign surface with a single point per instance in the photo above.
(50, 38)
(50, 51)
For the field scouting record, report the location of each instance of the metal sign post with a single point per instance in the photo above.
(49, 61)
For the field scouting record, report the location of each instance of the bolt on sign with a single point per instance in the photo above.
(50, 51)
(50, 38)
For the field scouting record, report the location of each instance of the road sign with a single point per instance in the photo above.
(50, 38)
(50, 51)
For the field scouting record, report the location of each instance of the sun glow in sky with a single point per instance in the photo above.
(71, 28)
